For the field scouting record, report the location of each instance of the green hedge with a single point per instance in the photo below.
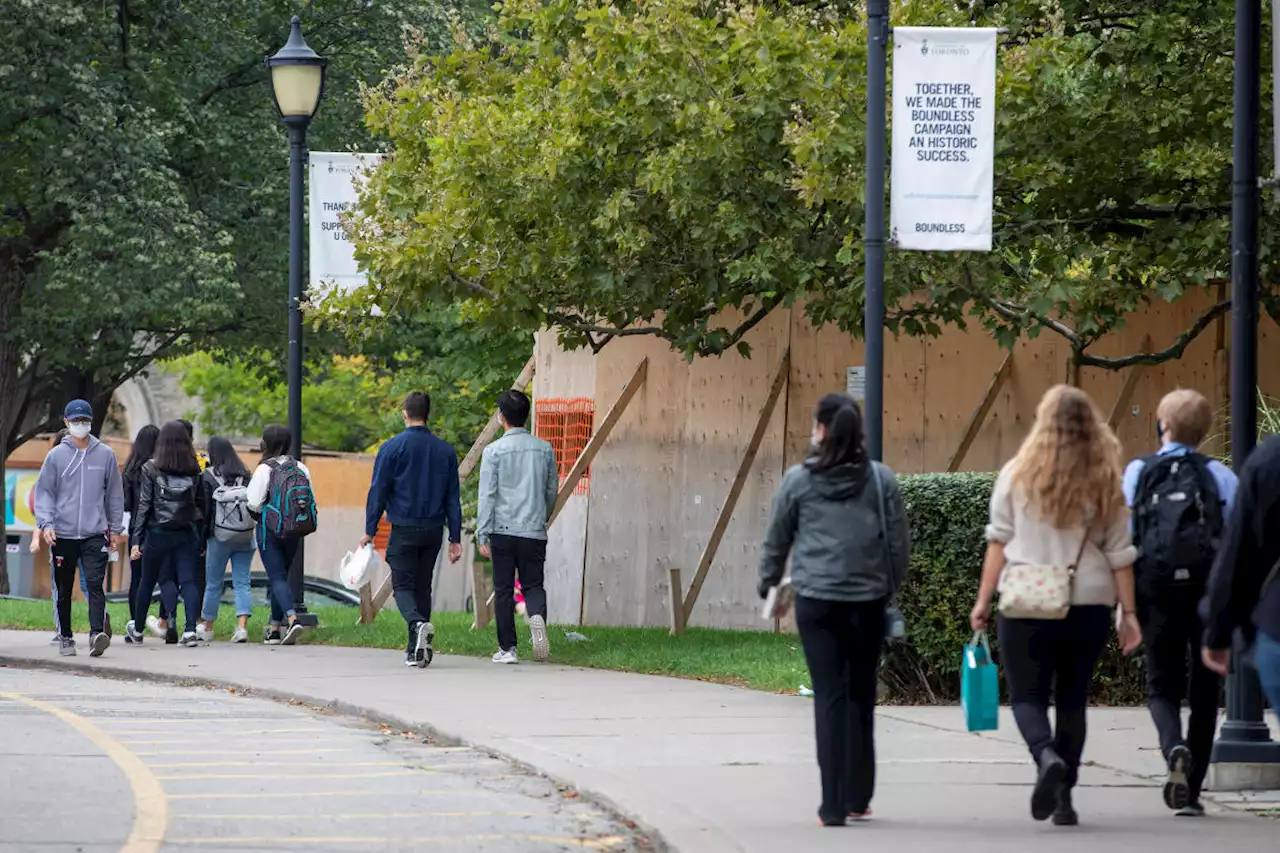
(948, 515)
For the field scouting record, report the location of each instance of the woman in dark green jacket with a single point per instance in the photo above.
(840, 517)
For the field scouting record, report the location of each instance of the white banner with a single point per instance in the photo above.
(944, 128)
(335, 179)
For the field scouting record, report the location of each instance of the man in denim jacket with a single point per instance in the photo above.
(518, 485)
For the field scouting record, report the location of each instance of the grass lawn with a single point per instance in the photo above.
(755, 659)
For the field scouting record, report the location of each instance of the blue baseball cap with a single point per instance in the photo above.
(78, 410)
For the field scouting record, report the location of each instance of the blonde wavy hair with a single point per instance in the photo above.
(1070, 465)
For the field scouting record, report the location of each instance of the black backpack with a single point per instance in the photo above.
(178, 492)
(1177, 523)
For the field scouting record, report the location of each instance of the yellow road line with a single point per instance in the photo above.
(295, 765)
(607, 843)
(196, 777)
(151, 811)
(419, 815)
(255, 753)
(223, 734)
(283, 795)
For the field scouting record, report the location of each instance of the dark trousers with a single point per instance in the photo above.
(412, 554)
(277, 556)
(842, 645)
(512, 556)
(1171, 633)
(1054, 659)
(169, 558)
(91, 555)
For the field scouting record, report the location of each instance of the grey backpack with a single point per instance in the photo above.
(232, 523)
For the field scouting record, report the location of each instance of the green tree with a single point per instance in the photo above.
(640, 168)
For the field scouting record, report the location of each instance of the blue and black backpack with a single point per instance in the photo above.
(290, 510)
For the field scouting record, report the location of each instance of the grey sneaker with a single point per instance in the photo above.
(204, 635)
(240, 636)
(156, 629)
(291, 634)
(132, 634)
(98, 644)
(1177, 790)
(506, 656)
(56, 640)
(423, 653)
(66, 647)
(189, 639)
(1192, 809)
(541, 645)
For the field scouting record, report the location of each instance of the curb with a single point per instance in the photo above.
(644, 833)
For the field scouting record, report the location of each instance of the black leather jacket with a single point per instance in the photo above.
(158, 505)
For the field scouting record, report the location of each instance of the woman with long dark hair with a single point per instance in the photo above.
(144, 447)
(277, 554)
(841, 519)
(1060, 552)
(227, 536)
(167, 527)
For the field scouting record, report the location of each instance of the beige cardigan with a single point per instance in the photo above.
(1030, 540)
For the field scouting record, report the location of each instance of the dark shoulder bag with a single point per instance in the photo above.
(895, 624)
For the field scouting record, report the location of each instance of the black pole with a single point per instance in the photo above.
(297, 175)
(1244, 737)
(873, 323)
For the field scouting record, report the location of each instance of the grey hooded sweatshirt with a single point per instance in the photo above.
(80, 493)
(829, 522)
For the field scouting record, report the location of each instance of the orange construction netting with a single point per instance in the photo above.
(567, 424)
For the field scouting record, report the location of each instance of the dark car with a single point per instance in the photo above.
(316, 592)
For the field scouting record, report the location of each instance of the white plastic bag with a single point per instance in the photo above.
(358, 568)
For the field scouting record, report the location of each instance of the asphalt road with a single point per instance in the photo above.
(105, 766)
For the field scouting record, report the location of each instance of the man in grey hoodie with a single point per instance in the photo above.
(79, 505)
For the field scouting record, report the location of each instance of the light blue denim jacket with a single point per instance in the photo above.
(518, 485)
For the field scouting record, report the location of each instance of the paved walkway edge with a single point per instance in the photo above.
(657, 842)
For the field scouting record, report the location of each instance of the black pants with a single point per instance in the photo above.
(514, 555)
(412, 554)
(91, 554)
(1171, 633)
(1054, 658)
(170, 558)
(842, 645)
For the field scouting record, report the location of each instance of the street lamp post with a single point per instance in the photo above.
(297, 82)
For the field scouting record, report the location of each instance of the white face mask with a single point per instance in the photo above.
(78, 430)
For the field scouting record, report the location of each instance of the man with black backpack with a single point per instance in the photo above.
(1181, 500)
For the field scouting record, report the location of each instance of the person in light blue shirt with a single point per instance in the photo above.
(1176, 545)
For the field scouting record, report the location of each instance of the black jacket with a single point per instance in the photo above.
(1250, 548)
(154, 510)
(209, 485)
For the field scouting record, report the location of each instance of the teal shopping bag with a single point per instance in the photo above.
(979, 686)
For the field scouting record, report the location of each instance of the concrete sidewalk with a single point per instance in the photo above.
(714, 768)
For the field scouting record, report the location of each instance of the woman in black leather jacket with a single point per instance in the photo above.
(166, 529)
(144, 447)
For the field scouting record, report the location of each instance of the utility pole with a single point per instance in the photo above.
(873, 238)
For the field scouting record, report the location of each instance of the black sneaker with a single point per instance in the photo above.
(422, 651)
(290, 635)
(1177, 791)
(171, 637)
(1192, 809)
(271, 636)
(1065, 813)
(1050, 775)
(410, 659)
(98, 644)
(131, 634)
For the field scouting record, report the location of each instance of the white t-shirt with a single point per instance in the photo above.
(260, 485)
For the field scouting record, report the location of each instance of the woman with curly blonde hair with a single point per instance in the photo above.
(1061, 554)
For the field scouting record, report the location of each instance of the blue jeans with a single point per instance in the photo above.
(1267, 659)
(171, 558)
(277, 557)
(216, 555)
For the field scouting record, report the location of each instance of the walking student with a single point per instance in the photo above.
(228, 537)
(840, 518)
(1244, 587)
(281, 499)
(1180, 501)
(144, 448)
(518, 485)
(79, 509)
(415, 482)
(166, 531)
(1057, 512)
(36, 541)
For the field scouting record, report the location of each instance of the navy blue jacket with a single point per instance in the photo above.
(415, 481)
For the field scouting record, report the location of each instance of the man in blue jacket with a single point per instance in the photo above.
(79, 504)
(415, 481)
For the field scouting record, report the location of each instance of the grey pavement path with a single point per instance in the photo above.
(714, 768)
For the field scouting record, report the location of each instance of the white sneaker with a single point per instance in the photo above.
(506, 657)
(240, 636)
(541, 645)
(204, 635)
(153, 625)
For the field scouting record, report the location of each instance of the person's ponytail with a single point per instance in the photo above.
(843, 441)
